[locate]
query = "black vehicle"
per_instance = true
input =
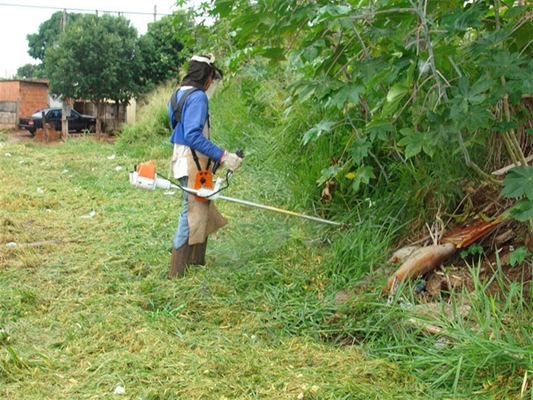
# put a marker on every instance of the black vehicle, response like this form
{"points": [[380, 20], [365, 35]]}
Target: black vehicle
{"points": [[76, 122]]}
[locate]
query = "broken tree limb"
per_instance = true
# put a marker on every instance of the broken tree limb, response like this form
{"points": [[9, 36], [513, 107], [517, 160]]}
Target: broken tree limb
{"points": [[468, 235], [504, 170], [421, 262]]}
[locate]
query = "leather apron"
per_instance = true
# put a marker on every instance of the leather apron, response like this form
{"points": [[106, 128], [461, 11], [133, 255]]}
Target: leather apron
{"points": [[203, 217]]}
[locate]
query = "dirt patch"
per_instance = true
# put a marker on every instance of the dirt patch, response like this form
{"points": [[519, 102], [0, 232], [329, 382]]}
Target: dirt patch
{"points": [[25, 136], [19, 136]]}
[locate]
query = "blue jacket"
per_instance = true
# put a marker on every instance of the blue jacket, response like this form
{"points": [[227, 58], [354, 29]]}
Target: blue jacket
{"points": [[189, 131]]}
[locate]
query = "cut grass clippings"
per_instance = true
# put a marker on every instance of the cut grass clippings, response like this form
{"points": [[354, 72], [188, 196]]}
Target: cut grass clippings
{"points": [[85, 306]]}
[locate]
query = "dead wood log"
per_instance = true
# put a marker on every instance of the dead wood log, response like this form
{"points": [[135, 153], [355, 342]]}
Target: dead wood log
{"points": [[420, 262]]}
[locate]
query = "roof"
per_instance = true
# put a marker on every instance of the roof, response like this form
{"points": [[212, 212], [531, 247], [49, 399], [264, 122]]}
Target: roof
{"points": [[43, 81]]}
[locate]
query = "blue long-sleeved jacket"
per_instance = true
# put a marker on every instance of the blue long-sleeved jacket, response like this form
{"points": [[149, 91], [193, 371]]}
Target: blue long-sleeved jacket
{"points": [[189, 131]]}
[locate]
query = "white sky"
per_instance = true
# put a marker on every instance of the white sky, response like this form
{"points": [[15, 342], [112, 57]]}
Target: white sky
{"points": [[19, 18]]}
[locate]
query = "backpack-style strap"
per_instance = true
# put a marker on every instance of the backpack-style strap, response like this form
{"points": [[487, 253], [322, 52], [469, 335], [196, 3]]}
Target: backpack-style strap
{"points": [[177, 107]]}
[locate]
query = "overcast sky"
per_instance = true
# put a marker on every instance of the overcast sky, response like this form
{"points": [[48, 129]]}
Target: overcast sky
{"points": [[19, 18]]}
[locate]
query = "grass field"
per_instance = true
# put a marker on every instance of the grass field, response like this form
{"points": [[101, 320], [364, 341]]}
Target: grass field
{"points": [[85, 306]]}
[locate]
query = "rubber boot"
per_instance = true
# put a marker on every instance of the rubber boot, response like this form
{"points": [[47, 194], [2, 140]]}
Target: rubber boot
{"points": [[179, 261], [197, 253]]}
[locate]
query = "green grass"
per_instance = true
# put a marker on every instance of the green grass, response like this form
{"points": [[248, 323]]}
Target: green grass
{"points": [[85, 305], [91, 309]]}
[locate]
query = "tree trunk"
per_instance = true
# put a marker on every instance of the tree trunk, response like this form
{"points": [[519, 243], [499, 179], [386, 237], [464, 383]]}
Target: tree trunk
{"points": [[98, 105]]}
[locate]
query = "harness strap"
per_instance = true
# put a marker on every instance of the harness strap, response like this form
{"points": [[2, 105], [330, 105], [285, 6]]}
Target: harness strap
{"points": [[177, 108], [196, 161]]}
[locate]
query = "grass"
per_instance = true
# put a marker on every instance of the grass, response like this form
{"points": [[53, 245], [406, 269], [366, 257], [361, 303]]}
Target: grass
{"points": [[85, 306]]}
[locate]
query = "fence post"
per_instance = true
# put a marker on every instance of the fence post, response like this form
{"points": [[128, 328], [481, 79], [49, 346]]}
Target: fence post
{"points": [[43, 119]]}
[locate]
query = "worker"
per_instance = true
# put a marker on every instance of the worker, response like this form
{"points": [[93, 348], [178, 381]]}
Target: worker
{"points": [[194, 154]]}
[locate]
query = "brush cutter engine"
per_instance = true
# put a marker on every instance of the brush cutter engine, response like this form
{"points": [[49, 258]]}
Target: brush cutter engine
{"points": [[145, 177]]}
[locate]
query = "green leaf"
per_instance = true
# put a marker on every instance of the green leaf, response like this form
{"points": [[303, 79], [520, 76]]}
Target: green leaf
{"points": [[477, 117], [305, 89], [487, 43], [223, 7], [349, 94], [505, 126], [362, 176], [360, 149], [276, 53], [310, 53], [523, 210], [442, 128], [518, 183], [378, 78], [379, 129], [517, 256], [481, 86], [317, 130], [394, 97], [472, 94], [334, 10], [396, 92], [459, 107], [328, 174], [516, 11], [415, 142]]}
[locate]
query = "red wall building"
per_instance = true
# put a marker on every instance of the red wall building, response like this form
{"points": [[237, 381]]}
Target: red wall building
{"points": [[20, 98]]}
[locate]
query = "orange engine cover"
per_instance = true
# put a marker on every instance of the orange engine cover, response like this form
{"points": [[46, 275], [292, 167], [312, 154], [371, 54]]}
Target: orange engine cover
{"points": [[146, 169], [204, 179]]}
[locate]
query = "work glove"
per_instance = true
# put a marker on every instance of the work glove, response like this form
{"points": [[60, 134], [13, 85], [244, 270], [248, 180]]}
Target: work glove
{"points": [[231, 160]]}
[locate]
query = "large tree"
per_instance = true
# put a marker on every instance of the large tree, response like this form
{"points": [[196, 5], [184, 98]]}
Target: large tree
{"points": [[96, 58], [47, 35], [163, 49]]}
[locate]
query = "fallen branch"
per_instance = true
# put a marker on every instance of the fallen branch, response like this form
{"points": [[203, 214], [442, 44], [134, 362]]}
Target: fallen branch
{"points": [[468, 235], [504, 170], [421, 262]]}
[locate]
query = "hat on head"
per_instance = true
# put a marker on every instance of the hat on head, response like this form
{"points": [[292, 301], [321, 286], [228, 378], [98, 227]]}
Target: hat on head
{"points": [[200, 68]]}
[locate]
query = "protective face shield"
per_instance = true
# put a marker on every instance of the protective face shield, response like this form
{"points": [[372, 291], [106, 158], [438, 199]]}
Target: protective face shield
{"points": [[212, 88]]}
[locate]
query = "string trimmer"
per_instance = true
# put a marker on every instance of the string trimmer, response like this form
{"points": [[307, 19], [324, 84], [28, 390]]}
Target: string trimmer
{"points": [[144, 176]]}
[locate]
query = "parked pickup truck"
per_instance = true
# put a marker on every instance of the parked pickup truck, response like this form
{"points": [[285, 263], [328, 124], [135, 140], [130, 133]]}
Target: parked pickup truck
{"points": [[76, 122]]}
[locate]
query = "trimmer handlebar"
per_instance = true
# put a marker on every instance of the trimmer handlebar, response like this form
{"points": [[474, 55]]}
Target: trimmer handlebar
{"points": [[239, 153]]}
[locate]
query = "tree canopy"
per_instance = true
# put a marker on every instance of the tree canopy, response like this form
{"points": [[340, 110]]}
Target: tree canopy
{"points": [[163, 50], [48, 33], [30, 71], [96, 58], [144, 61]]}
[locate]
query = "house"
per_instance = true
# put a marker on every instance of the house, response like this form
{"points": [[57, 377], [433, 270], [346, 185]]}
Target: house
{"points": [[21, 98], [111, 115]]}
